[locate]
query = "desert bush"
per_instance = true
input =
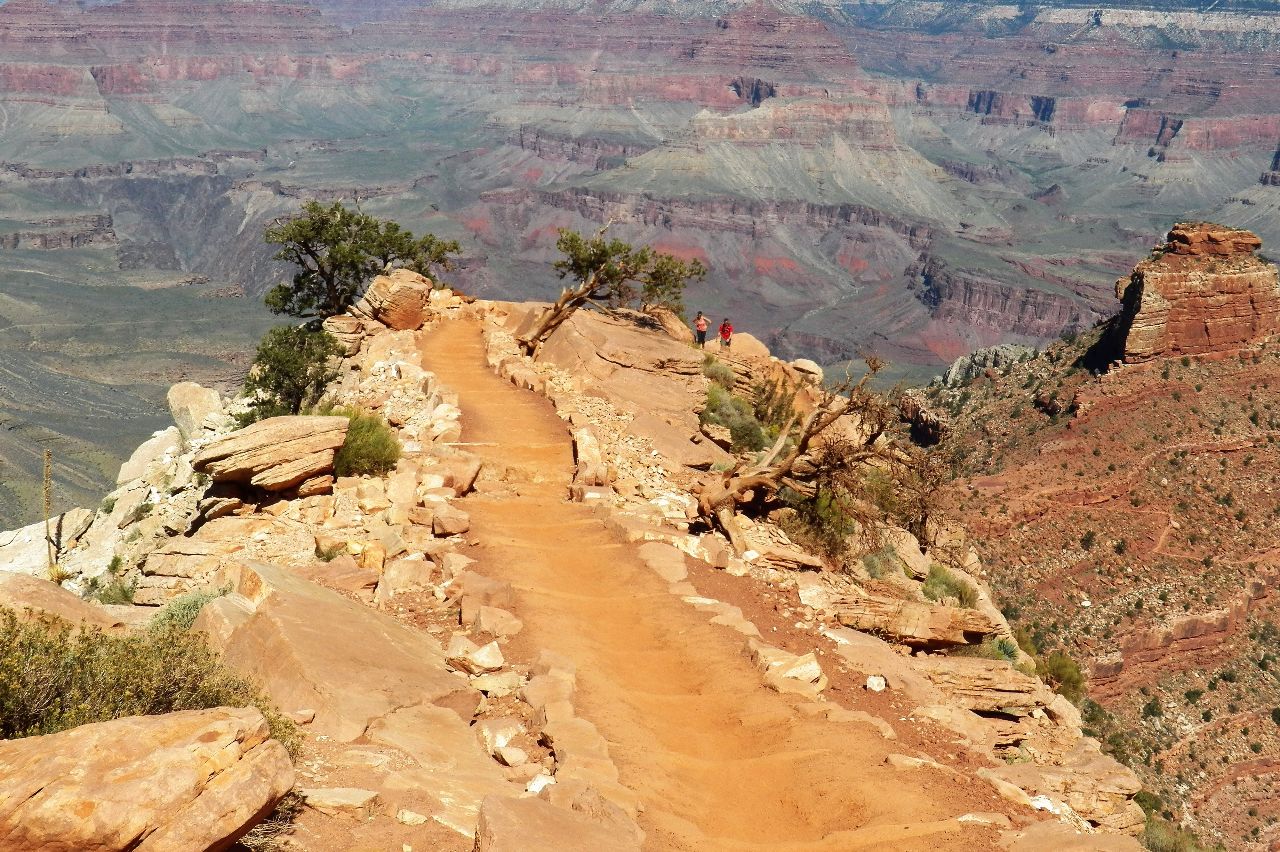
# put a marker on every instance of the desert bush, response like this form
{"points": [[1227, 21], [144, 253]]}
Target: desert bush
{"points": [[881, 562], [1063, 675], [942, 584], [54, 676], [290, 371], [734, 413], [989, 649], [718, 372], [1162, 836], [370, 447], [822, 522], [115, 592], [180, 613]]}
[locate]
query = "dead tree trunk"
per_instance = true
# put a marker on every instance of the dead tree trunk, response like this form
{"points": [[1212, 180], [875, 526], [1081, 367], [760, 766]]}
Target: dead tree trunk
{"points": [[554, 316], [719, 500]]}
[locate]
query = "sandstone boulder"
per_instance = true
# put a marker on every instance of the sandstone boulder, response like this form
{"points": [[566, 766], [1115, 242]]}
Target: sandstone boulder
{"points": [[311, 647], [162, 443], [275, 454], [674, 327], [399, 300], [989, 686], [809, 369], [913, 623], [192, 407], [748, 346], [347, 330], [1204, 291], [27, 595], [26, 549], [194, 780]]}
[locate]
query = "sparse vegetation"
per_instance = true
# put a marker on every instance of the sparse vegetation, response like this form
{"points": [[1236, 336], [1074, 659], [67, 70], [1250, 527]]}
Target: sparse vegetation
{"points": [[54, 676], [371, 447], [723, 408], [718, 372], [180, 613], [1063, 675], [1163, 836], [941, 585]]}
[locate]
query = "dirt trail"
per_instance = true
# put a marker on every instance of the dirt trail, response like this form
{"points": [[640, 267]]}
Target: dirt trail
{"points": [[719, 762]]}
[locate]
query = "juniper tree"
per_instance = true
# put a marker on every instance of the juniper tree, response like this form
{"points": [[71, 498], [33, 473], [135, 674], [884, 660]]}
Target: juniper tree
{"points": [[338, 250], [610, 273]]}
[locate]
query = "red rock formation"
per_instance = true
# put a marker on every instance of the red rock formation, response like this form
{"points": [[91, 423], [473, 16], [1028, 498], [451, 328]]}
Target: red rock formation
{"points": [[1203, 291]]}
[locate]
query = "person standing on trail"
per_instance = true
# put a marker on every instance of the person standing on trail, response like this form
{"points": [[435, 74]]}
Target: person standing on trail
{"points": [[726, 334], [700, 325]]}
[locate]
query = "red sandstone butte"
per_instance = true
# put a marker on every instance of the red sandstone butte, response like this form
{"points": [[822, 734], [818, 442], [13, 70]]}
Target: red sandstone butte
{"points": [[1203, 291]]}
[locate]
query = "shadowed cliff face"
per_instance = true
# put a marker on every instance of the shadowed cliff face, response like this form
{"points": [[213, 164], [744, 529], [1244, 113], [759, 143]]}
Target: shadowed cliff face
{"points": [[869, 181]]}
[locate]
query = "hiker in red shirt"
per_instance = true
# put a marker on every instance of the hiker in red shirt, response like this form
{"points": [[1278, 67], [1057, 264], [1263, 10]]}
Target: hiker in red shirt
{"points": [[700, 325], [726, 334]]}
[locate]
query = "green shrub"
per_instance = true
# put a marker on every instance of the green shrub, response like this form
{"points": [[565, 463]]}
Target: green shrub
{"points": [[718, 372], [180, 613], [1148, 801], [115, 592], [881, 562], [1063, 675], [989, 649], [54, 676], [1162, 836], [370, 448], [942, 584], [724, 409], [290, 371]]}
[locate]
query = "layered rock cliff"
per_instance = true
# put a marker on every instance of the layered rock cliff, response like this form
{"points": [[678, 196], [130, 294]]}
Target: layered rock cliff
{"points": [[1203, 291]]}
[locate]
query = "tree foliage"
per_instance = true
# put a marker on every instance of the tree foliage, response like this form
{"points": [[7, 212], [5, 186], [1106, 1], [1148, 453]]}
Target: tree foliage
{"points": [[291, 370], [613, 274], [337, 250]]}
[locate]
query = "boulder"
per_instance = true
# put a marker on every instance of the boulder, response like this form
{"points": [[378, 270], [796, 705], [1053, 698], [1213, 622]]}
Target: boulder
{"points": [[919, 625], [399, 300], [747, 346], [26, 549], [166, 442], [1203, 291], [347, 330], [275, 454], [192, 407], [181, 782], [533, 825], [32, 596], [987, 686], [312, 647], [809, 369], [180, 566], [341, 801], [449, 521], [1094, 786]]}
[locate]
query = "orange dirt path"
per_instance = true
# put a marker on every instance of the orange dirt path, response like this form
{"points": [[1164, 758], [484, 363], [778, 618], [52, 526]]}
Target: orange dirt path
{"points": [[717, 760]]}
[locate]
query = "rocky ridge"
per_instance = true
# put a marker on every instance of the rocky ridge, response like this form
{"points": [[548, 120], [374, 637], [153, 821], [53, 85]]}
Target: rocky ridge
{"points": [[302, 558]]}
